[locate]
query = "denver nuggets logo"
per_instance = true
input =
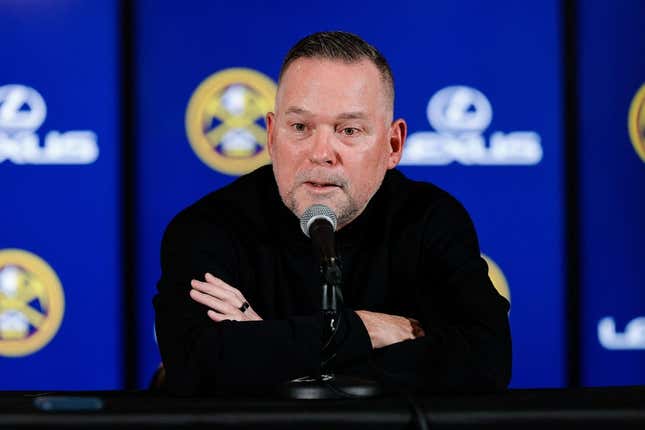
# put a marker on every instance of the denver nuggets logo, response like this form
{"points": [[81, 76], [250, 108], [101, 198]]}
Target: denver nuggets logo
{"points": [[31, 303], [636, 122], [225, 120], [498, 278]]}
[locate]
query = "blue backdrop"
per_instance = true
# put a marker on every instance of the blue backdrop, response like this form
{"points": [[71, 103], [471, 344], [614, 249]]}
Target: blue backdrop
{"points": [[60, 170], [612, 175]]}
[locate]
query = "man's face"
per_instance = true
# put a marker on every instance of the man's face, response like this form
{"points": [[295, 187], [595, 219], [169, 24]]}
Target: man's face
{"points": [[331, 138]]}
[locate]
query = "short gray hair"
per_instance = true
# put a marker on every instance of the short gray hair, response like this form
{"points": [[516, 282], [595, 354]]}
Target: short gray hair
{"points": [[341, 46]]}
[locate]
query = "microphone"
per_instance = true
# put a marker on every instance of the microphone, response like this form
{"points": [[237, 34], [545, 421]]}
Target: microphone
{"points": [[318, 222]]}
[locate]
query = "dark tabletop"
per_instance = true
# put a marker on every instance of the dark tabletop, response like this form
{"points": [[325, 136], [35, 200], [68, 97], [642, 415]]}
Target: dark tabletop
{"points": [[614, 408]]}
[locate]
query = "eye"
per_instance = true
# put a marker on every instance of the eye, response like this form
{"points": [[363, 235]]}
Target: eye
{"points": [[299, 127], [349, 131]]}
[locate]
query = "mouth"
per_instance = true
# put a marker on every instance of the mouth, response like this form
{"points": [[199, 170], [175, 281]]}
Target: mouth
{"points": [[320, 186]]}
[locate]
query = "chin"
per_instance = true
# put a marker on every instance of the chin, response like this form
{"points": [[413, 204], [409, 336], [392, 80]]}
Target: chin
{"points": [[304, 203]]}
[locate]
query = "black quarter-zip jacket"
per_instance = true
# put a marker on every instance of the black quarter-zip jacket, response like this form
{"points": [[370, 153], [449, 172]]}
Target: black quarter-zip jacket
{"points": [[413, 252]]}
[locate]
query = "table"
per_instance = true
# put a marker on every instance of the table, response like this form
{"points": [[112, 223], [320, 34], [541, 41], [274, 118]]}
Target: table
{"points": [[615, 408]]}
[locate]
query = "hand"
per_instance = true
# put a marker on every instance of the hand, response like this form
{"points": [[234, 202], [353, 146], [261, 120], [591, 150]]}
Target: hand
{"points": [[387, 329], [223, 300]]}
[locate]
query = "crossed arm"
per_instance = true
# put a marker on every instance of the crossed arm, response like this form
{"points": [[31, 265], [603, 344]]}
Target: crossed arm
{"points": [[225, 302]]}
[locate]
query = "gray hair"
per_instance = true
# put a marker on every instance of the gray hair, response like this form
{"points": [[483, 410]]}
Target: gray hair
{"points": [[341, 46]]}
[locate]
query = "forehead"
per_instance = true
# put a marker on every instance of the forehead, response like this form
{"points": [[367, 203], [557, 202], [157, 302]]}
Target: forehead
{"points": [[314, 83]]}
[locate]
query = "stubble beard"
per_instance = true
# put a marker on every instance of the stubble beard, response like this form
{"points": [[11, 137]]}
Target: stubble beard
{"points": [[341, 201], [346, 210]]}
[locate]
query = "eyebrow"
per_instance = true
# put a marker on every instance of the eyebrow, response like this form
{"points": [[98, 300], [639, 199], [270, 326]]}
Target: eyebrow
{"points": [[345, 115], [352, 115], [297, 110]]}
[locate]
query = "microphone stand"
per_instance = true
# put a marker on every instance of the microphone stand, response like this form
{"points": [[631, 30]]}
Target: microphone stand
{"points": [[328, 385]]}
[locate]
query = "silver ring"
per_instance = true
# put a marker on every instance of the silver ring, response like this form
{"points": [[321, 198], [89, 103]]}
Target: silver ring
{"points": [[244, 306]]}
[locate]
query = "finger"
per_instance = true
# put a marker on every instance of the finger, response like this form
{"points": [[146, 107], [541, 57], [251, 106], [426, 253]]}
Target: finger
{"points": [[213, 289], [251, 315], [212, 302], [418, 331], [414, 322], [217, 281], [216, 291], [217, 317]]}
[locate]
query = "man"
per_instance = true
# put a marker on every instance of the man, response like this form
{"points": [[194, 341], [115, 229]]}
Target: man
{"points": [[239, 296]]}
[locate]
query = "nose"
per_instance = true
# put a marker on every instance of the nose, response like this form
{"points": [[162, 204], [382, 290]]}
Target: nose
{"points": [[322, 149]]}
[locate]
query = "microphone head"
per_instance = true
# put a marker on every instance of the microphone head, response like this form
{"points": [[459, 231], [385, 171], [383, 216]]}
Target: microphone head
{"points": [[312, 213]]}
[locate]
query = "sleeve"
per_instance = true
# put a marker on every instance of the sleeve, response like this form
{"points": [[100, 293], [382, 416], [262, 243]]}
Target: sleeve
{"points": [[467, 346], [201, 356]]}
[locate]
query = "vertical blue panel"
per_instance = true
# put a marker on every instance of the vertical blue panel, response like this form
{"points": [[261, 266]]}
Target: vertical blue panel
{"points": [[612, 175], [505, 50], [510, 53], [59, 91]]}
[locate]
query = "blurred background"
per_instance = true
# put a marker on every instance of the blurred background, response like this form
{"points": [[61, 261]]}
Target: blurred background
{"points": [[115, 115]]}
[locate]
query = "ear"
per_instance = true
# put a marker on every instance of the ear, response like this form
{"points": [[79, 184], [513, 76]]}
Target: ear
{"points": [[270, 121], [398, 132]]}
